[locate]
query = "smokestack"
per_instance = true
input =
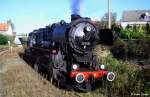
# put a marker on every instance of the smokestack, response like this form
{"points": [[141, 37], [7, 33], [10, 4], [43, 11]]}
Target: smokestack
{"points": [[76, 8], [74, 17]]}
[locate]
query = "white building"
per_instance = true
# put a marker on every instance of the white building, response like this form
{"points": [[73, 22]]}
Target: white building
{"points": [[135, 17], [6, 29]]}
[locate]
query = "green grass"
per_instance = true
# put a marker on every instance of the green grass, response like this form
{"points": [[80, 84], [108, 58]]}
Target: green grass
{"points": [[3, 46]]}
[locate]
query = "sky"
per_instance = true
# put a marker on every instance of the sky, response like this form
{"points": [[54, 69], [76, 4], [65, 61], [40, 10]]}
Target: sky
{"points": [[28, 15]]}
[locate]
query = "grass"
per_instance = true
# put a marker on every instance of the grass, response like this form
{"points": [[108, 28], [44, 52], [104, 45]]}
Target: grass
{"points": [[21, 81], [3, 46]]}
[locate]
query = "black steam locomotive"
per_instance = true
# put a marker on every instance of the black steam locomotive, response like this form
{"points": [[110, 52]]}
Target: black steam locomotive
{"points": [[64, 52]]}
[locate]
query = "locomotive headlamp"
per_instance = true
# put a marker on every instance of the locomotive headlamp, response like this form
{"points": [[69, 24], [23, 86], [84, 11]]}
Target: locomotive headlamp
{"points": [[88, 28], [111, 76], [74, 66], [102, 66]]}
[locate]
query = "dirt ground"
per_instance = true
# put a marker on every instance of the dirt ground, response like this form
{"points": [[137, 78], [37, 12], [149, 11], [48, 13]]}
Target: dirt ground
{"points": [[20, 80]]}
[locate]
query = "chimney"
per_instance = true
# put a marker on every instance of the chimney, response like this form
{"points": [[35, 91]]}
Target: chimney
{"points": [[75, 17]]}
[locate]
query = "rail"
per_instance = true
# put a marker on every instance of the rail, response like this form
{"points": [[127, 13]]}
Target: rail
{"points": [[3, 50]]}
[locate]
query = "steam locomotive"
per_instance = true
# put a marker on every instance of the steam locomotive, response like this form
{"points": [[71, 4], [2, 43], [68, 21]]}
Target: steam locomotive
{"points": [[64, 52]]}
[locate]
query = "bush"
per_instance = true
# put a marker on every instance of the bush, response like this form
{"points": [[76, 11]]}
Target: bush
{"points": [[10, 38], [144, 48], [134, 32], [112, 62], [147, 29], [139, 49], [119, 49], [128, 80], [132, 49], [3, 39]]}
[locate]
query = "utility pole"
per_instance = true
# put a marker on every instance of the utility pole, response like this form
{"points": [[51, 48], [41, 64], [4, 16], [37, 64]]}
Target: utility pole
{"points": [[109, 15]]}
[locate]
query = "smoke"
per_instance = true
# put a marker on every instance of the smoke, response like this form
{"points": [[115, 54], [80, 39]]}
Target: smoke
{"points": [[76, 6]]}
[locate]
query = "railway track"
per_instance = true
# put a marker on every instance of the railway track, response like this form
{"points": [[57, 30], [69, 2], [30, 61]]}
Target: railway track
{"points": [[3, 50], [1, 85]]}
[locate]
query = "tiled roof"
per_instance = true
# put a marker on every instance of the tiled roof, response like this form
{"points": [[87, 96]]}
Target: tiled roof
{"points": [[4, 27], [135, 15]]}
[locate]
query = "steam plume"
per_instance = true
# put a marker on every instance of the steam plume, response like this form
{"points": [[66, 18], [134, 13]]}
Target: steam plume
{"points": [[76, 6]]}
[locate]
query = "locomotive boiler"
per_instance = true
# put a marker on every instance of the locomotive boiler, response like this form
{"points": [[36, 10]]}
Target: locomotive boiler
{"points": [[64, 52]]}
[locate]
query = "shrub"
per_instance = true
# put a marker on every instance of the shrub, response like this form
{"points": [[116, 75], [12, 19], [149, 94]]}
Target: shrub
{"points": [[10, 38], [138, 32], [148, 29], [139, 49], [112, 62], [134, 32], [128, 80], [132, 49], [143, 48], [3, 39], [119, 48]]}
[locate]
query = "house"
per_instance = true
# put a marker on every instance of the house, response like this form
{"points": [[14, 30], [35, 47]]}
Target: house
{"points": [[135, 17], [6, 29]]}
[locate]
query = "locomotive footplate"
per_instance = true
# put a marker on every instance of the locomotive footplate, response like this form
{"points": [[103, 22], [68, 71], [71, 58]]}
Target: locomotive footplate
{"points": [[87, 74], [81, 76]]}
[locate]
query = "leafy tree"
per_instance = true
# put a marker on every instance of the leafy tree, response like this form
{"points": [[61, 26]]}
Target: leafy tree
{"points": [[117, 30], [147, 28], [3, 39], [104, 19]]}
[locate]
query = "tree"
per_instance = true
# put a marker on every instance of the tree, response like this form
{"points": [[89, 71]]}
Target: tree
{"points": [[117, 30], [3, 39], [147, 28], [104, 19]]}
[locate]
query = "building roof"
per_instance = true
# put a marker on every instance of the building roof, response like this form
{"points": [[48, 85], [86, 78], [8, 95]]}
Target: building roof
{"points": [[4, 27], [134, 15]]}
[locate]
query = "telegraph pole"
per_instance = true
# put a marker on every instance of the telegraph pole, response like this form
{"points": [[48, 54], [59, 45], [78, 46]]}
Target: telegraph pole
{"points": [[109, 15]]}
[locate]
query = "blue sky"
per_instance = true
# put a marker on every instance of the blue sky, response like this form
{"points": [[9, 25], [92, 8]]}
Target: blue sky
{"points": [[28, 15]]}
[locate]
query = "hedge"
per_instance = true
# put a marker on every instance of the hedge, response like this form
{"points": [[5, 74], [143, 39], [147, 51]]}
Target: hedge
{"points": [[3, 39]]}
